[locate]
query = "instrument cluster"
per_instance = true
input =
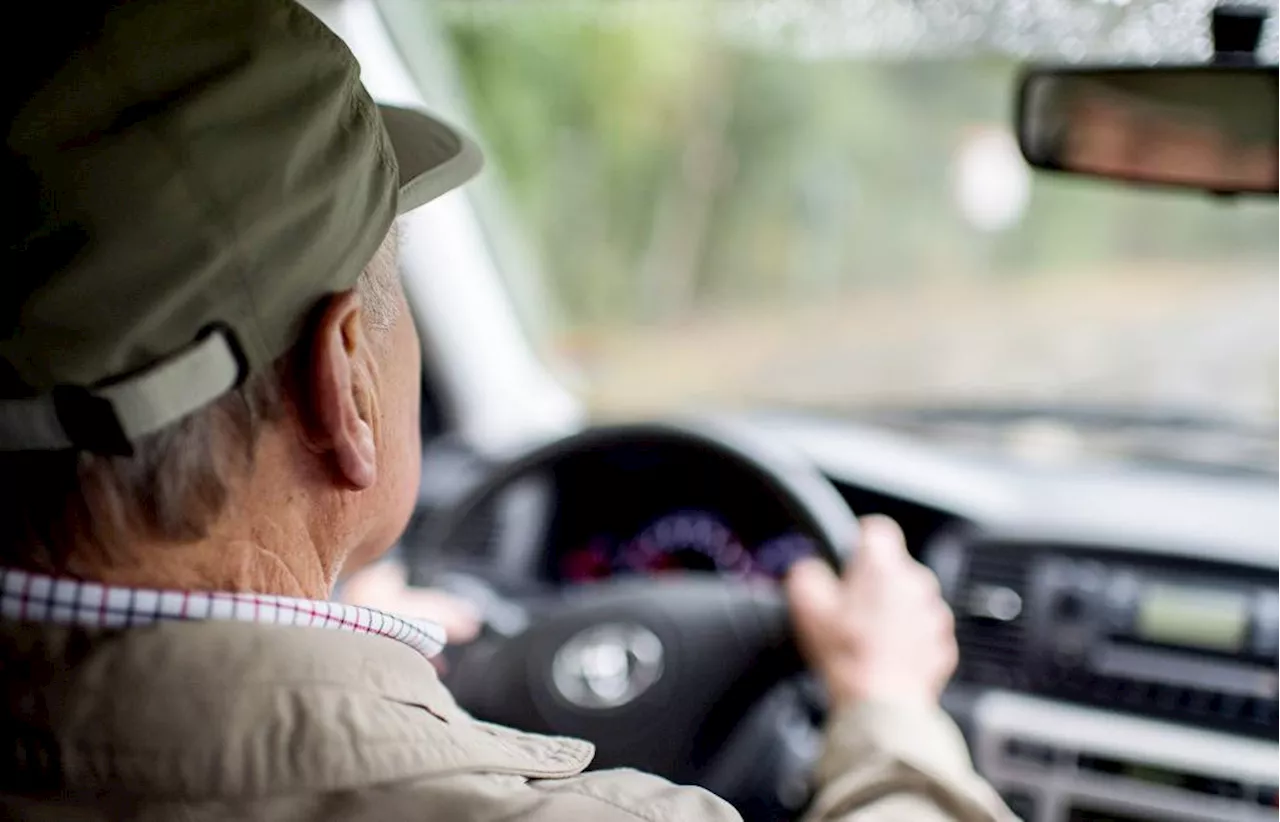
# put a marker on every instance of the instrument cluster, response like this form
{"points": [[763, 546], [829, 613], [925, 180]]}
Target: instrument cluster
{"points": [[681, 541]]}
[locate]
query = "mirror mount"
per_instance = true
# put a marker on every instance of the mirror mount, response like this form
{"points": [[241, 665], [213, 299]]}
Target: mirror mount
{"points": [[1237, 31]]}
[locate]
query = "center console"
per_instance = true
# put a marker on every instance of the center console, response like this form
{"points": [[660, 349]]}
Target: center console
{"points": [[1057, 762], [1116, 687]]}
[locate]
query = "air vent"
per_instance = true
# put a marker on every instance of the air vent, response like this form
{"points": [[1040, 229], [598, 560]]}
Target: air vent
{"points": [[989, 603]]}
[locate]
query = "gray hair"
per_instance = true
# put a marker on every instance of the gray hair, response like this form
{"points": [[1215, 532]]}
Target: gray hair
{"points": [[177, 482]]}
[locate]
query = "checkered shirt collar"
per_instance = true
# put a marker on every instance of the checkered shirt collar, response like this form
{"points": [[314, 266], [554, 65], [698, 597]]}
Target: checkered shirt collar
{"points": [[36, 598]]}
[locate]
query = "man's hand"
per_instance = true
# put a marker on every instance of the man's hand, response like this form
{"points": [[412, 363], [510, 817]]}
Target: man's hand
{"points": [[882, 631]]}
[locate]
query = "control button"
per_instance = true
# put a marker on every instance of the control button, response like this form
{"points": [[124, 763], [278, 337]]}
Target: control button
{"points": [[1068, 606], [1137, 694], [1091, 577], [1122, 596], [1262, 711], [1266, 631], [1228, 788], [1264, 643], [1166, 697], [1196, 702], [1230, 706], [1069, 654]]}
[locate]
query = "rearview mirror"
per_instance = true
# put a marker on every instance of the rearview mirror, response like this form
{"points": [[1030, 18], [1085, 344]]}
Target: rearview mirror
{"points": [[1203, 126]]}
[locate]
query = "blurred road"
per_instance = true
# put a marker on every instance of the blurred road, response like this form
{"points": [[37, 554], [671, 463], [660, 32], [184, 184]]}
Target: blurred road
{"points": [[1173, 339]]}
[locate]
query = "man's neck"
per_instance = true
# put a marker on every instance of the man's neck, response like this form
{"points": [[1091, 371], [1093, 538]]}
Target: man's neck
{"points": [[239, 565], [285, 530], [265, 542]]}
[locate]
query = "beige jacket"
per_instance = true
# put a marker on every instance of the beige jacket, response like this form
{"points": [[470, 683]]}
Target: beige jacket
{"points": [[195, 722]]}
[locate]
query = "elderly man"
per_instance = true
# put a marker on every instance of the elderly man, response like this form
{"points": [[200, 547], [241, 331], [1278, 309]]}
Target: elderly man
{"points": [[210, 406]]}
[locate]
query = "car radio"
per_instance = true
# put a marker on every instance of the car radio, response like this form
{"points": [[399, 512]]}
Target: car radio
{"points": [[1058, 762], [1169, 642]]}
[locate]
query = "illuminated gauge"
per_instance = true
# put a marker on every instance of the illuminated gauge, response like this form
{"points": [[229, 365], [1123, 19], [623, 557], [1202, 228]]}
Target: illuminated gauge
{"points": [[687, 541], [774, 558], [586, 564]]}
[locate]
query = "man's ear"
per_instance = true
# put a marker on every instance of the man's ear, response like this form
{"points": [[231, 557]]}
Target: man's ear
{"points": [[340, 392]]}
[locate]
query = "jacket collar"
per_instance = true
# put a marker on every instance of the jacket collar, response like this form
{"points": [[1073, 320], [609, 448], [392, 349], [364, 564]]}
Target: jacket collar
{"points": [[37, 598]]}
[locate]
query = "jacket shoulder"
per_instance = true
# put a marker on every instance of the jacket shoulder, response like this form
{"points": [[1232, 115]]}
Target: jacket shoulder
{"points": [[600, 796]]}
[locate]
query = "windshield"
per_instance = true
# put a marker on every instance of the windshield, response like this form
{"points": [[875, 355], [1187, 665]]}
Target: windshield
{"points": [[826, 208]]}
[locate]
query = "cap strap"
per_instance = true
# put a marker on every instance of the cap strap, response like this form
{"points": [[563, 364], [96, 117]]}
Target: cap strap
{"points": [[110, 418]]}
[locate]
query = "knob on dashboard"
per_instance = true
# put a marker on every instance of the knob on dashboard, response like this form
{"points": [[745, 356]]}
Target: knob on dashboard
{"points": [[1068, 606]]}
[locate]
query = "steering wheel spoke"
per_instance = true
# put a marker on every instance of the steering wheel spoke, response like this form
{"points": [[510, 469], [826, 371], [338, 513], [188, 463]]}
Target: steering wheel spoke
{"points": [[637, 666]]}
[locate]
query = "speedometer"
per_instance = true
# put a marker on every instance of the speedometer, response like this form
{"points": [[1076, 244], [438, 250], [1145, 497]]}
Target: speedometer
{"points": [[686, 541], [775, 557]]}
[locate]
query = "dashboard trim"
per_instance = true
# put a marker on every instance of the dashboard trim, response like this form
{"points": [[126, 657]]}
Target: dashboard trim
{"points": [[1095, 503]]}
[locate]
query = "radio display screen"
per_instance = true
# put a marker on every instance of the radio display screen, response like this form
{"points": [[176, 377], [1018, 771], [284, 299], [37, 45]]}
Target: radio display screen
{"points": [[1193, 617]]}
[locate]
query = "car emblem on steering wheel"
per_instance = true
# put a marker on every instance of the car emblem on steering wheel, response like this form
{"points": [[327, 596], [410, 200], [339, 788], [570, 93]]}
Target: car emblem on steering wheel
{"points": [[607, 666]]}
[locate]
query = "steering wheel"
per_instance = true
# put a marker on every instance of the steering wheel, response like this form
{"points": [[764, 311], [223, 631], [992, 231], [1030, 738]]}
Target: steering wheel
{"points": [[690, 677]]}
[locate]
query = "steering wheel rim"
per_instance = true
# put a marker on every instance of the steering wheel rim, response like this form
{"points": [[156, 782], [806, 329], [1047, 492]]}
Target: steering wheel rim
{"points": [[725, 646], [803, 492]]}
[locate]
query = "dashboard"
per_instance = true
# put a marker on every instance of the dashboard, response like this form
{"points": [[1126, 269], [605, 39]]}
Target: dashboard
{"points": [[1117, 623]]}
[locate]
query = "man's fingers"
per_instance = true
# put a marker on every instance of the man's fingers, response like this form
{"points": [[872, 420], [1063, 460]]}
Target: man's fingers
{"points": [[882, 546], [929, 580], [950, 658], [813, 591]]}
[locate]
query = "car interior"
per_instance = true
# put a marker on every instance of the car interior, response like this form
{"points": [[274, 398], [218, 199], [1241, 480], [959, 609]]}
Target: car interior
{"points": [[1117, 616]]}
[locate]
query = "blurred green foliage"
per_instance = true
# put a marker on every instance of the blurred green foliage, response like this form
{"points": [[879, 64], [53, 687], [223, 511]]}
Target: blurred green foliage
{"points": [[661, 171]]}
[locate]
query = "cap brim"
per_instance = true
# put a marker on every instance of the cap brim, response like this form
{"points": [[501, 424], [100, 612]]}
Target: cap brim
{"points": [[433, 156]]}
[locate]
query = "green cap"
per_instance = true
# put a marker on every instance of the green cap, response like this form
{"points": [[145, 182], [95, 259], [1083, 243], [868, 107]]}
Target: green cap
{"points": [[185, 181]]}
